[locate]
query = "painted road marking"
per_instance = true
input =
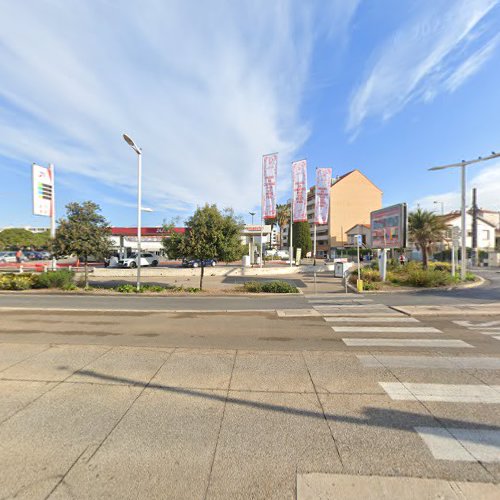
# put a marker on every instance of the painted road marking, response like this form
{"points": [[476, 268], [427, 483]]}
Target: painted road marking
{"points": [[406, 342], [468, 445], [477, 324], [356, 314], [367, 319], [386, 329], [449, 393], [339, 302], [445, 362], [359, 307]]}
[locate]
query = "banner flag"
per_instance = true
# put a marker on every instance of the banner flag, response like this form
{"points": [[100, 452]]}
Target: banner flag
{"points": [[322, 195], [43, 186], [299, 179], [269, 174]]}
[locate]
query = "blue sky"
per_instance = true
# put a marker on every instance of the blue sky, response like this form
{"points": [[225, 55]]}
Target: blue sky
{"points": [[391, 87]]}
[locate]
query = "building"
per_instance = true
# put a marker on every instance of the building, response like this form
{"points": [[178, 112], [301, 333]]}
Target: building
{"points": [[352, 198], [486, 230], [124, 239], [364, 230]]}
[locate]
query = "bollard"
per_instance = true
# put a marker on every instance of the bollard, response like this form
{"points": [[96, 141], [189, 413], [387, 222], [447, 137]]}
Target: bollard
{"points": [[21, 269], [359, 285]]}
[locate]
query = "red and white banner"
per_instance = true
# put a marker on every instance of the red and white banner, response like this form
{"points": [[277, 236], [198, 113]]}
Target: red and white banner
{"points": [[269, 175], [322, 195], [299, 181]]}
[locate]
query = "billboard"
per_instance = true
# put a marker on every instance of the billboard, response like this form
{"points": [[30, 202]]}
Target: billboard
{"points": [[322, 195], [389, 227], [43, 186], [269, 174], [299, 180]]}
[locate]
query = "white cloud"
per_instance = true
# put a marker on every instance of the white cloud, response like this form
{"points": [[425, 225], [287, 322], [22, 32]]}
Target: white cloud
{"points": [[205, 88], [487, 182], [418, 61]]}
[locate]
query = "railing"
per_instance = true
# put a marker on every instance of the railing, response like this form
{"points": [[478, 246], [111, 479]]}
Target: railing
{"points": [[42, 268]]}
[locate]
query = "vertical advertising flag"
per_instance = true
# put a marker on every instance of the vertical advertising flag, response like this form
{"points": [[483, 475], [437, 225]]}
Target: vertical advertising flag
{"points": [[299, 178], [322, 195], [43, 187], [269, 174]]}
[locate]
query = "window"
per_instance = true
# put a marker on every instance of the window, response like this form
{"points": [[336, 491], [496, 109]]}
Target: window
{"points": [[486, 234]]}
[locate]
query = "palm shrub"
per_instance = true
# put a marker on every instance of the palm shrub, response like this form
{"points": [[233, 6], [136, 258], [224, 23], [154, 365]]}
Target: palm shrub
{"points": [[425, 228]]}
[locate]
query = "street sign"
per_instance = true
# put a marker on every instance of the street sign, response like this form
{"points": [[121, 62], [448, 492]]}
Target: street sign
{"points": [[359, 240]]}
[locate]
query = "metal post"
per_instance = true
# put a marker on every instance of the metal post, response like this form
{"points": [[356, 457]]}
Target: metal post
{"points": [[463, 263], [290, 233], [53, 212], [475, 252], [359, 263], [139, 211], [261, 211], [452, 259], [314, 245]]}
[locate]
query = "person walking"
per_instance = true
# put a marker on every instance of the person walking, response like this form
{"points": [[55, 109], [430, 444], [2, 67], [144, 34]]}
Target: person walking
{"points": [[402, 259]]}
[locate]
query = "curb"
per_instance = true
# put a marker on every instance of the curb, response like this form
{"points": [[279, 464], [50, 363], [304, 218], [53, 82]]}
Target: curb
{"points": [[480, 282]]}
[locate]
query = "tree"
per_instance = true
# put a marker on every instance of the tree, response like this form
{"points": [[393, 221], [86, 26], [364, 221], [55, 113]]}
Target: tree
{"points": [[16, 238], [424, 229], [210, 234], [84, 232], [302, 237], [282, 219]]}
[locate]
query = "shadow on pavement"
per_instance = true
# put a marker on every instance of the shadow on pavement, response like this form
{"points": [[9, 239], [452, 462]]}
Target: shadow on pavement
{"points": [[373, 417]]}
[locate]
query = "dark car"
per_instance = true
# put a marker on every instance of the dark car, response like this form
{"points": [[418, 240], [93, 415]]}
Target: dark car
{"points": [[197, 262]]}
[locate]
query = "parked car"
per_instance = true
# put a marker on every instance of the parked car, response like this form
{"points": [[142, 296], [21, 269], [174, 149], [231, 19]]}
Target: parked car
{"points": [[197, 263], [33, 255], [10, 257], [147, 259]]}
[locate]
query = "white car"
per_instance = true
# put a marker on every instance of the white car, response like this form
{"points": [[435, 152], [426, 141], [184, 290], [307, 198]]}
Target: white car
{"points": [[147, 259], [10, 257]]}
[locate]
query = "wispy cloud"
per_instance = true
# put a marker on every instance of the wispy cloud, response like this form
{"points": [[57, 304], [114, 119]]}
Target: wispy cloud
{"points": [[487, 182], [205, 88], [424, 58]]}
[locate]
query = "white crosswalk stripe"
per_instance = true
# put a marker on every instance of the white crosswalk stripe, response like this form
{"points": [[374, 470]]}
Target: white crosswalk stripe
{"points": [[371, 319], [468, 445], [442, 362], [485, 327], [450, 393], [358, 342], [385, 329]]}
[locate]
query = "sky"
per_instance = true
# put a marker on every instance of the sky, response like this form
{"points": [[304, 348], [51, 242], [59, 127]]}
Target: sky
{"points": [[390, 87]]}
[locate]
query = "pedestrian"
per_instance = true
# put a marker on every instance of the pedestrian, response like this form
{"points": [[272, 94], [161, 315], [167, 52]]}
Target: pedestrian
{"points": [[402, 259], [19, 256]]}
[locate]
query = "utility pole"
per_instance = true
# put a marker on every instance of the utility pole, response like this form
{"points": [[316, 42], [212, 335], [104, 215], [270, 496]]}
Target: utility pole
{"points": [[475, 253], [463, 164]]}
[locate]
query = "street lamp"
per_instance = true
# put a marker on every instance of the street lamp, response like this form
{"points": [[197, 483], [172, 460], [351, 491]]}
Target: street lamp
{"points": [[140, 208], [251, 251], [442, 206], [462, 165]]}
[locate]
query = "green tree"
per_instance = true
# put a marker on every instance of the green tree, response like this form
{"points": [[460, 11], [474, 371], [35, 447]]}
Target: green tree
{"points": [[41, 240], [84, 232], [16, 238], [424, 229], [302, 237], [210, 234], [282, 218]]}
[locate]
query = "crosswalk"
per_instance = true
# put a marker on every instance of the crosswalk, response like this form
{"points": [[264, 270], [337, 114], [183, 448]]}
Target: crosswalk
{"points": [[485, 327], [362, 323]]}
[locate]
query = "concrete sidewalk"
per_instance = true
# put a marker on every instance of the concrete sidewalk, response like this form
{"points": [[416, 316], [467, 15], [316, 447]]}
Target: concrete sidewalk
{"points": [[97, 421]]}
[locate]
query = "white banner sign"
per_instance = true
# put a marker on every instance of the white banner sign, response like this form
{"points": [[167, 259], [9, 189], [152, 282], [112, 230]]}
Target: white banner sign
{"points": [[299, 180], [322, 195], [269, 174], [43, 186]]}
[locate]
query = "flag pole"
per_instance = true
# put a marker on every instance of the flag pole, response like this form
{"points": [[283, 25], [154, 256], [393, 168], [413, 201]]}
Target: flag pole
{"points": [[261, 211]]}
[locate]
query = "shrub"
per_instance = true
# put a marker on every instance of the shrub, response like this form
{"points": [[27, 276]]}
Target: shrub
{"points": [[127, 288], [53, 279], [270, 287], [16, 282]]}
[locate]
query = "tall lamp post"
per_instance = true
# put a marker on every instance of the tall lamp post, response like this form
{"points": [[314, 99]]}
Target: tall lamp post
{"points": [[462, 165], [252, 244], [442, 205], [138, 150]]}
